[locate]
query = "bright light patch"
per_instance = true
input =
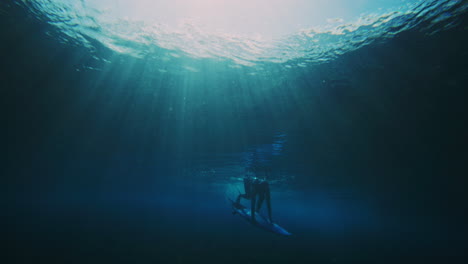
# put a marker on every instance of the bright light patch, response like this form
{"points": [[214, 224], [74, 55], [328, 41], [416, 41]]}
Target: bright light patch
{"points": [[246, 32], [266, 18]]}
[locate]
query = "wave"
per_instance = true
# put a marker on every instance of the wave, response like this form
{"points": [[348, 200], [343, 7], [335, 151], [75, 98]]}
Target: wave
{"points": [[81, 24]]}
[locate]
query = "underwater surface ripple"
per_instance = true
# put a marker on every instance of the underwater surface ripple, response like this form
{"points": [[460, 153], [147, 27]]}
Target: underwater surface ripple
{"points": [[123, 140], [80, 23]]}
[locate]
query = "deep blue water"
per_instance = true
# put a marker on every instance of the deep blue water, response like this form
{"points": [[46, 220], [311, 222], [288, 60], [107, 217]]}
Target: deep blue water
{"points": [[125, 157]]}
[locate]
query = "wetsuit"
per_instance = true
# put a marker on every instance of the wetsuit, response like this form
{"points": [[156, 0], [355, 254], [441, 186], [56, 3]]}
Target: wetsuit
{"points": [[254, 188]]}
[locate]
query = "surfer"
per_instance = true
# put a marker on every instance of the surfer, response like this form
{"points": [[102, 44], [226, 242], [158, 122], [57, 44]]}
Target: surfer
{"points": [[256, 189]]}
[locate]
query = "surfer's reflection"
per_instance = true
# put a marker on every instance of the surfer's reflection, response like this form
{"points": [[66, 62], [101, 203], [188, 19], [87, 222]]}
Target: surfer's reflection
{"points": [[256, 190]]}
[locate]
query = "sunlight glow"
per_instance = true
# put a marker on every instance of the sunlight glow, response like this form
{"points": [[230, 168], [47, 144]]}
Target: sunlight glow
{"points": [[246, 32], [268, 18]]}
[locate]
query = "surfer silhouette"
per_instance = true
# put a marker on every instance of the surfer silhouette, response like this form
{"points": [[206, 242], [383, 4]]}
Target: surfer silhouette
{"points": [[256, 190]]}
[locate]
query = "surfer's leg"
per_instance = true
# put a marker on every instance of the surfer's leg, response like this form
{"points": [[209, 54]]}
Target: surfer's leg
{"points": [[252, 206], [268, 202], [238, 198], [245, 196], [261, 197]]}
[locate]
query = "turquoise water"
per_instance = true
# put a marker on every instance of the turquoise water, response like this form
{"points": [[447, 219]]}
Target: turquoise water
{"points": [[126, 125], [315, 31]]}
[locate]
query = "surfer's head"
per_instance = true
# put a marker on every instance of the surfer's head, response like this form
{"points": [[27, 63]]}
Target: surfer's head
{"points": [[256, 180]]}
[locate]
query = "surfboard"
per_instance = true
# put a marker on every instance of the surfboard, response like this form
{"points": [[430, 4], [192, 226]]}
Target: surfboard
{"points": [[260, 221]]}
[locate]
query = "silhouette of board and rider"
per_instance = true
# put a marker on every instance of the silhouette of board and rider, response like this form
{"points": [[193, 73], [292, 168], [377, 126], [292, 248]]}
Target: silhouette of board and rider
{"points": [[256, 190]]}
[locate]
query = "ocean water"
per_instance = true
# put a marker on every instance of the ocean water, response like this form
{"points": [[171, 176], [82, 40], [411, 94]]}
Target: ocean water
{"points": [[124, 137]]}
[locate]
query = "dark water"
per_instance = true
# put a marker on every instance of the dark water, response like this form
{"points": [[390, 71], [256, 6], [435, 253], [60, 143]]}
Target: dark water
{"points": [[117, 161]]}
